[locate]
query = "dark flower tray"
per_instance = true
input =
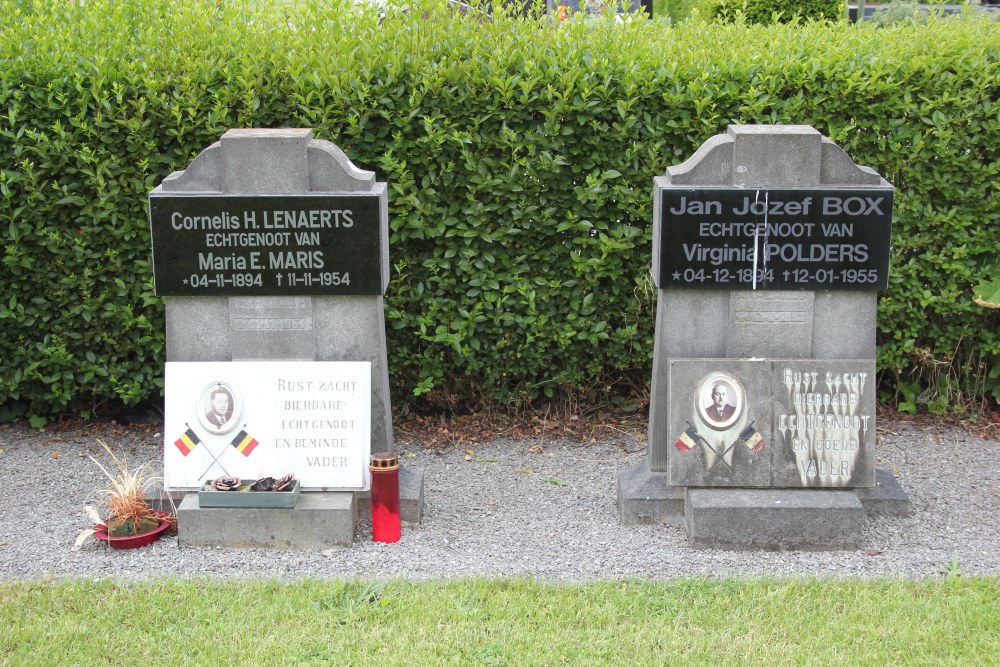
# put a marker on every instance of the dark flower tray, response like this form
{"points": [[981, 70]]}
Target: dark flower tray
{"points": [[243, 497]]}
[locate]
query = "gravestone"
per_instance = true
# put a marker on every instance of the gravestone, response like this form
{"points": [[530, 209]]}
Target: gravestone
{"points": [[769, 247], [271, 250], [567, 8]]}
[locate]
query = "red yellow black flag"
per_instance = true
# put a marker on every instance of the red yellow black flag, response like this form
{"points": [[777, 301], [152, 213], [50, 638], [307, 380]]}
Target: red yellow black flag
{"points": [[244, 443], [188, 441]]}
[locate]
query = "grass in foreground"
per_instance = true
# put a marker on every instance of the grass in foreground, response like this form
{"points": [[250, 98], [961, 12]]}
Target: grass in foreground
{"points": [[501, 622]]}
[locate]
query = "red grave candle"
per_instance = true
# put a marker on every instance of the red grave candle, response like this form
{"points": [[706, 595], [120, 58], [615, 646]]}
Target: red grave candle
{"points": [[385, 497]]}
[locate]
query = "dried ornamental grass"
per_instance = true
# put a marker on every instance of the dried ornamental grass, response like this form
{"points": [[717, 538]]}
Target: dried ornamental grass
{"points": [[125, 500]]}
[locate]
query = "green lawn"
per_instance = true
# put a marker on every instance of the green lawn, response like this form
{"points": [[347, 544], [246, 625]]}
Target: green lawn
{"points": [[502, 622]]}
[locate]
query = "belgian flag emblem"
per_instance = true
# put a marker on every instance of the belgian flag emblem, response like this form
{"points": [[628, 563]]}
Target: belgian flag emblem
{"points": [[244, 443], [752, 438], [188, 441], [689, 438]]}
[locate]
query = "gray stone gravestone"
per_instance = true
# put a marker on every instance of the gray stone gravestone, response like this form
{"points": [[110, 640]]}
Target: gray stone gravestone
{"points": [[251, 253], [595, 7], [769, 247]]}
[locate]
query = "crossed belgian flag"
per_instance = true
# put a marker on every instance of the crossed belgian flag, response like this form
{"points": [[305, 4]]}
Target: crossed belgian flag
{"points": [[243, 442]]}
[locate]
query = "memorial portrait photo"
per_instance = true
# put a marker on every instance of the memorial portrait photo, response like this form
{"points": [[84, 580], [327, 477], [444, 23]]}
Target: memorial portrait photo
{"points": [[219, 407], [719, 400]]}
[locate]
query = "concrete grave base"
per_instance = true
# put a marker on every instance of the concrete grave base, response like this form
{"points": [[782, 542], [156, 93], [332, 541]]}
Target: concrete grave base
{"points": [[165, 501], [774, 519], [887, 498], [646, 497], [411, 497], [319, 521]]}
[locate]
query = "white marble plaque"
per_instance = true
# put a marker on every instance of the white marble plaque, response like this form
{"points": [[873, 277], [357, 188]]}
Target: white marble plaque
{"points": [[260, 419]]}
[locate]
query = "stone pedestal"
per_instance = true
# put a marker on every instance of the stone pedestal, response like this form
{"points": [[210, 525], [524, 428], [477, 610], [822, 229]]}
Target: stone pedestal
{"points": [[646, 497], [318, 521], [773, 519], [886, 498]]}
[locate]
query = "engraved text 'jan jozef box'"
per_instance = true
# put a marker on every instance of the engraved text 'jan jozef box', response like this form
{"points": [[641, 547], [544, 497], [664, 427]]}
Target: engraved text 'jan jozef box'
{"points": [[789, 239]]}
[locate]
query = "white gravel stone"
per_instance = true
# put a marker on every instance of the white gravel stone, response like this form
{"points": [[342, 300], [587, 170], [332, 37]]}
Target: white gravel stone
{"points": [[552, 516]]}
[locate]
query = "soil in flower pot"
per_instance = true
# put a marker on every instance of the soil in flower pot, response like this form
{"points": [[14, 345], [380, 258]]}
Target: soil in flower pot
{"points": [[129, 527]]}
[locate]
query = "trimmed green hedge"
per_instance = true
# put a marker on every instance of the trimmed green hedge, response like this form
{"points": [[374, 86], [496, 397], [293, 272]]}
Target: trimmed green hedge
{"points": [[519, 157], [782, 11]]}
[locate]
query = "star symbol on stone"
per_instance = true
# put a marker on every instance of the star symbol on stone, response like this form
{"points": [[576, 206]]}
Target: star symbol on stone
{"points": [[677, 275]]}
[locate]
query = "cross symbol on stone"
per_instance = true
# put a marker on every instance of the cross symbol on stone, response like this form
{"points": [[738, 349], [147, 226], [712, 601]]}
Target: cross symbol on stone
{"points": [[719, 456]]}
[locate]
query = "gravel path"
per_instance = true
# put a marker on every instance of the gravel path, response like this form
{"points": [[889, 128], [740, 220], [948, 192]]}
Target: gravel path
{"points": [[550, 514]]}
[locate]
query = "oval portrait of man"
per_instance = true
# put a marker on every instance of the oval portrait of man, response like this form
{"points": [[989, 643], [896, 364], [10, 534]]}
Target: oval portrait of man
{"points": [[219, 407], [720, 400]]}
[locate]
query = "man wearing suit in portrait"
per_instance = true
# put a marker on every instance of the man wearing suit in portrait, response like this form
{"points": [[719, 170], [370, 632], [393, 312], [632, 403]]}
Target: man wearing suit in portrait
{"points": [[220, 408], [720, 410]]}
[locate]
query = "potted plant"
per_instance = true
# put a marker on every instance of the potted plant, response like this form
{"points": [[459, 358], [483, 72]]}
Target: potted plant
{"points": [[130, 522]]}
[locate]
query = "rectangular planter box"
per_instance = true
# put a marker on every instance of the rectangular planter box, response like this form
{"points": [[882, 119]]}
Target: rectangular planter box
{"points": [[209, 496]]}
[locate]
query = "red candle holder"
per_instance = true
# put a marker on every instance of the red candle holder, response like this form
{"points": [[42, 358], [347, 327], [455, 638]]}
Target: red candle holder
{"points": [[385, 497]]}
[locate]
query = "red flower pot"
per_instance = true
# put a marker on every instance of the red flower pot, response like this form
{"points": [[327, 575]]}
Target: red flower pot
{"points": [[132, 541]]}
